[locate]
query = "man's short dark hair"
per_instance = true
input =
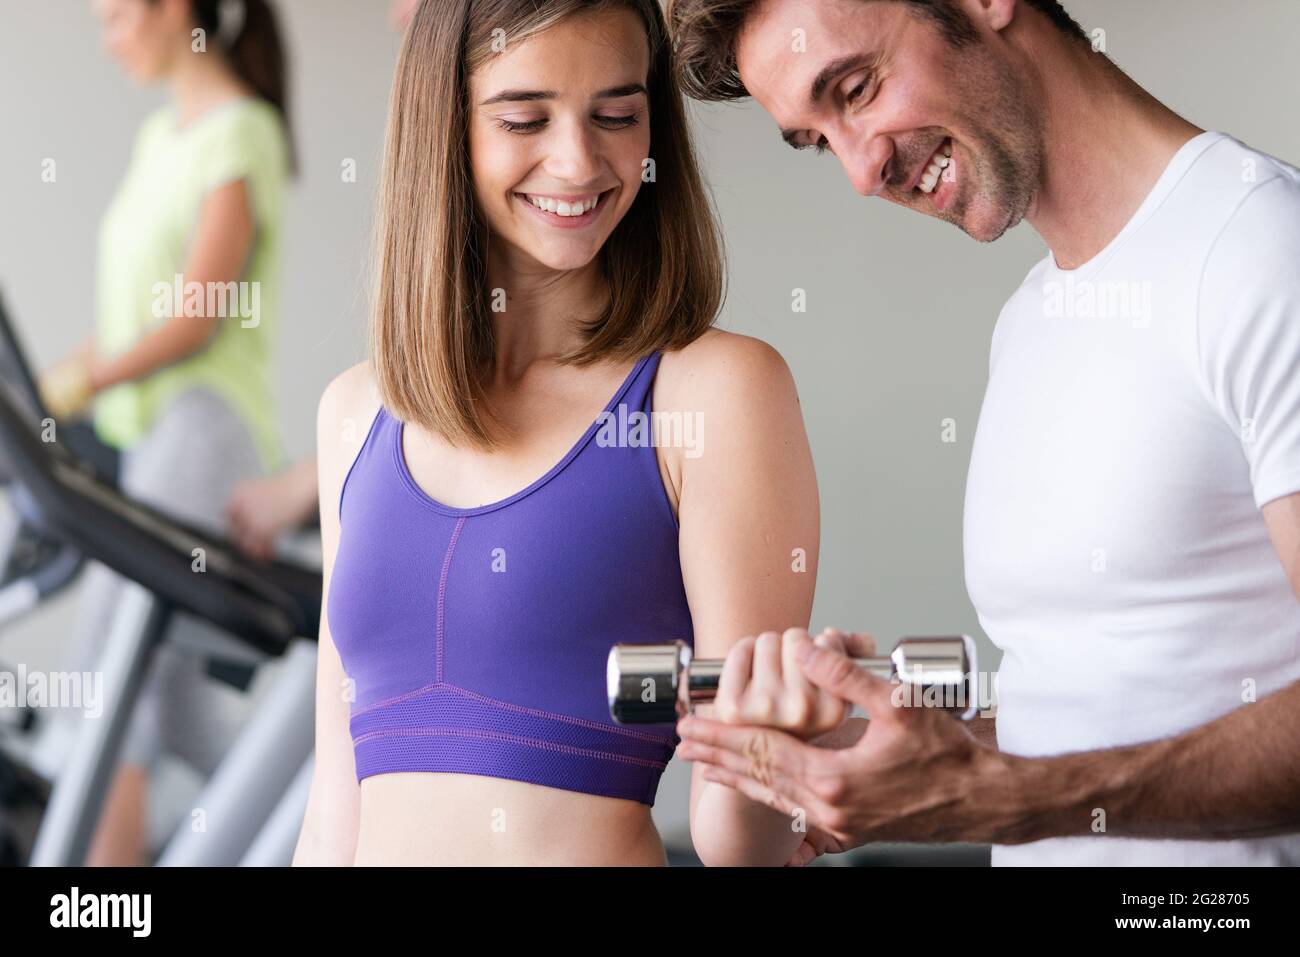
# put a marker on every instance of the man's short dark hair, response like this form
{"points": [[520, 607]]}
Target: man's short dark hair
{"points": [[705, 33]]}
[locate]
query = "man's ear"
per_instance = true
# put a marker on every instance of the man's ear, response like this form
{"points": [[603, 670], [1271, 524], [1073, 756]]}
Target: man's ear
{"points": [[997, 15]]}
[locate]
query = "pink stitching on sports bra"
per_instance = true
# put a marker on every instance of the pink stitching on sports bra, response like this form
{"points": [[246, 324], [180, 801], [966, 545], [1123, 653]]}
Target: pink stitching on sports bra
{"points": [[537, 712], [442, 592], [498, 736]]}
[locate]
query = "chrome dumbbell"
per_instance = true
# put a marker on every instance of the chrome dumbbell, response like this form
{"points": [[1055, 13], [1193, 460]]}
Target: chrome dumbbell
{"points": [[657, 684]]}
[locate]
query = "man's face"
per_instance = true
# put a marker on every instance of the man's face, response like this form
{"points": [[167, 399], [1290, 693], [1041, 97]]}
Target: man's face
{"points": [[955, 132]]}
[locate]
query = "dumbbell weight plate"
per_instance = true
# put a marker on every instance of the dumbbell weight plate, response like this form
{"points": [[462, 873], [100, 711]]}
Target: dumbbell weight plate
{"points": [[644, 682]]}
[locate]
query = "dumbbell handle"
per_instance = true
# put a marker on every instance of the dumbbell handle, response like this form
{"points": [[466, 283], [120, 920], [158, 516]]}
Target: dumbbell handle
{"points": [[654, 684], [703, 675]]}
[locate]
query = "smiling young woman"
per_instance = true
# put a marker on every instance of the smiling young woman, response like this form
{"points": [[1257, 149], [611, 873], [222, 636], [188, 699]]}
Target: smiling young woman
{"points": [[432, 331], [544, 243]]}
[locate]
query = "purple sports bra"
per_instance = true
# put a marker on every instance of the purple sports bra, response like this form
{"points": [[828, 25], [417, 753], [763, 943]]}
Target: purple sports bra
{"points": [[477, 637]]}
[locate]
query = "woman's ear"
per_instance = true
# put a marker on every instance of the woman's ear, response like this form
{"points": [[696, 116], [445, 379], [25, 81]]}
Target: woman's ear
{"points": [[178, 15]]}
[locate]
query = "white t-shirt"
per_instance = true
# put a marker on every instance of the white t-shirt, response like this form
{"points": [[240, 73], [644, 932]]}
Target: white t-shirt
{"points": [[1141, 409]]}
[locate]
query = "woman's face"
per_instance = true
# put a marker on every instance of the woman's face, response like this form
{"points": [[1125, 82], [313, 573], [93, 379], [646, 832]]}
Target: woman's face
{"points": [[143, 37], [558, 132]]}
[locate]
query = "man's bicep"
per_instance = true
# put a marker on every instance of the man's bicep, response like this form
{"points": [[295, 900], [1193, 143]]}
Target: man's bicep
{"points": [[1282, 516], [1248, 327]]}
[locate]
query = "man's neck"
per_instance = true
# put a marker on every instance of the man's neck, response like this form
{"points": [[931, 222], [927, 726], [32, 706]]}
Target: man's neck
{"points": [[1107, 142]]}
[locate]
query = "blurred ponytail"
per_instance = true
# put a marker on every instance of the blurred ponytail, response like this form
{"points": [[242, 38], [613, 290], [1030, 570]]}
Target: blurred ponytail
{"points": [[249, 35]]}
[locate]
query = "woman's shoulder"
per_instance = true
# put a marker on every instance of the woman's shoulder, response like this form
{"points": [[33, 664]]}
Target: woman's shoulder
{"points": [[742, 398], [157, 118], [246, 115], [346, 414], [719, 367], [248, 123], [347, 408]]}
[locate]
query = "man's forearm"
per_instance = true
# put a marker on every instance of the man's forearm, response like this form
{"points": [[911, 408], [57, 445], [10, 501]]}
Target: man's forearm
{"points": [[985, 731], [1236, 777]]}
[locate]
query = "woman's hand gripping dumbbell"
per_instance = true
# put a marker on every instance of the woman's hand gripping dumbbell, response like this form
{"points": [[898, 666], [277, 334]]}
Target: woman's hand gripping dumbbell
{"points": [[660, 683]]}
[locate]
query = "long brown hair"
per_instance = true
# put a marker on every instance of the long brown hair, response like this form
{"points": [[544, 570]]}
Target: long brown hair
{"points": [[430, 333]]}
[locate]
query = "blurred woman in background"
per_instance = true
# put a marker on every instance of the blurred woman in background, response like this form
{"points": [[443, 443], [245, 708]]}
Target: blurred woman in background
{"points": [[262, 510], [178, 369], [530, 266]]}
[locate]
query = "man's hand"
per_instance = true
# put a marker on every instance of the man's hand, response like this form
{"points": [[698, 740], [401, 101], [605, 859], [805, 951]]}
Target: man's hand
{"points": [[915, 775], [817, 843], [845, 736]]}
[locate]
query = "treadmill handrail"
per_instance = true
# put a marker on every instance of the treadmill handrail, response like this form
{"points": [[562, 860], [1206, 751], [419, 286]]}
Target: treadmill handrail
{"points": [[155, 551]]}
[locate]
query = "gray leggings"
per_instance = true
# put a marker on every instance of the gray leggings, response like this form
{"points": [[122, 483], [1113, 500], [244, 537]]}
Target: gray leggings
{"points": [[187, 466]]}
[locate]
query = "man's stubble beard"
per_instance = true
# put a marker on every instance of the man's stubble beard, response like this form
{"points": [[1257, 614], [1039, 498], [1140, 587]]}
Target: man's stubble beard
{"points": [[1008, 130]]}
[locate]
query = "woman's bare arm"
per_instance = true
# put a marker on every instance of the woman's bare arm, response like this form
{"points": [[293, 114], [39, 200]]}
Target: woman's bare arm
{"points": [[219, 252], [749, 541]]}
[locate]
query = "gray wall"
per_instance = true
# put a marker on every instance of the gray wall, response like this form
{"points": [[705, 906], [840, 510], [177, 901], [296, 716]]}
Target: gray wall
{"points": [[900, 308]]}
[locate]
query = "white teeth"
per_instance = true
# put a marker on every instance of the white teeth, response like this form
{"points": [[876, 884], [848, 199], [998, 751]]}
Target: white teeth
{"points": [[934, 172], [931, 177], [561, 207]]}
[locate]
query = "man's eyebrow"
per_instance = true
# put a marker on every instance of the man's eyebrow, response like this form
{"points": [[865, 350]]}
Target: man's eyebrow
{"points": [[531, 96], [834, 69], [829, 73]]}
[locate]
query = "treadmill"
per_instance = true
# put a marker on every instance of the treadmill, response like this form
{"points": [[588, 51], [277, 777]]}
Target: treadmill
{"points": [[33, 566], [252, 805]]}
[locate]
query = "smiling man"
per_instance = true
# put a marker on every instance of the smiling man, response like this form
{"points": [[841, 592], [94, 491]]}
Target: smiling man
{"points": [[1132, 527]]}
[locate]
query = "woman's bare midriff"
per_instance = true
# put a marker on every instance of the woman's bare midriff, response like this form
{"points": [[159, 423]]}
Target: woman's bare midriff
{"points": [[419, 819]]}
